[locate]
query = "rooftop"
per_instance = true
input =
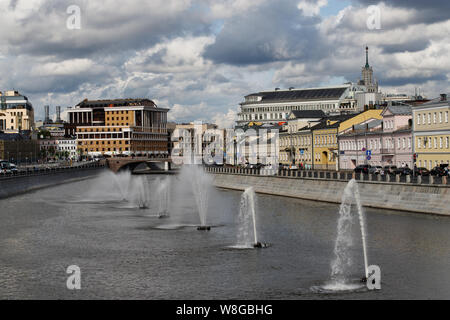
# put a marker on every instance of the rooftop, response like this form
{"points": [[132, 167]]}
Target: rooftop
{"points": [[330, 93], [307, 114], [115, 103]]}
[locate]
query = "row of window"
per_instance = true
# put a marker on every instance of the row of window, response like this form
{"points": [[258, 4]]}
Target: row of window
{"points": [[102, 142], [429, 118], [117, 118], [376, 144], [107, 149], [429, 164], [429, 143], [319, 140]]}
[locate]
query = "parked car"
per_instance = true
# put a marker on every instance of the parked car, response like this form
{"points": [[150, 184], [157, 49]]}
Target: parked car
{"points": [[404, 171], [13, 168], [422, 171], [390, 170], [364, 168]]}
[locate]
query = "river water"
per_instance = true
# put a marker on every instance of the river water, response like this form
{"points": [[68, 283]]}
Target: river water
{"points": [[125, 252]]}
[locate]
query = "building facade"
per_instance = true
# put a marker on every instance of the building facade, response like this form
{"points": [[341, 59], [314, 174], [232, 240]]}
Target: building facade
{"points": [[189, 141], [385, 142], [432, 132], [121, 126], [271, 107], [17, 148], [16, 113], [315, 146], [293, 144], [67, 148]]}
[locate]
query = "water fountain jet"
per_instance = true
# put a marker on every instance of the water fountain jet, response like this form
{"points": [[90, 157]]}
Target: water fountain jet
{"points": [[344, 239], [247, 233]]}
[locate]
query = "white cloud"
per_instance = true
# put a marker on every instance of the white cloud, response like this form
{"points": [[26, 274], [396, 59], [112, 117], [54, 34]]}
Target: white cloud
{"points": [[227, 120], [63, 68], [311, 8]]}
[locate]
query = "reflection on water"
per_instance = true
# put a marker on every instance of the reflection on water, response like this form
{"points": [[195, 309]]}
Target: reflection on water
{"points": [[126, 252]]}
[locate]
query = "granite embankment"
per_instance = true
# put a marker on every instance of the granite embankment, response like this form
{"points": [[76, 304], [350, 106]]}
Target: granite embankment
{"points": [[431, 199], [15, 185]]}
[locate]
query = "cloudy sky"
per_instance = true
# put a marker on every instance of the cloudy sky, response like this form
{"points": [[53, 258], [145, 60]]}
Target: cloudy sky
{"points": [[200, 57]]}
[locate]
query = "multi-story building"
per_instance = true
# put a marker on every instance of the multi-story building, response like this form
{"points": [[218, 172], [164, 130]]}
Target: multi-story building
{"points": [[316, 145], [275, 106], [18, 148], [16, 113], [189, 141], [272, 107], [121, 126], [292, 143], [67, 148], [431, 131], [255, 144], [379, 142]]}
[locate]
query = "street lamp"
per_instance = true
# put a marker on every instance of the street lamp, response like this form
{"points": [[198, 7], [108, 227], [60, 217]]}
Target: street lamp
{"points": [[235, 151]]}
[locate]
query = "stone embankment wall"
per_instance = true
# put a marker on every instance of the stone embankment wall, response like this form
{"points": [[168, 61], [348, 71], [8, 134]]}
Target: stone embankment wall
{"points": [[431, 199], [15, 185]]}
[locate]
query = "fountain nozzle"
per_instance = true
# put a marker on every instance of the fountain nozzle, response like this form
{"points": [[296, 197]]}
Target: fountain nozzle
{"points": [[260, 245], [204, 228]]}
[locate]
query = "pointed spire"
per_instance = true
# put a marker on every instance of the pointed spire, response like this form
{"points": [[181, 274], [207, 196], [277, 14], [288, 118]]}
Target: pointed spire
{"points": [[367, 57]]}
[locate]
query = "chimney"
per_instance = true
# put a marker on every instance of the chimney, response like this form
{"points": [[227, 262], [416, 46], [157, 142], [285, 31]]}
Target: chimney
{"points": [[443, 97], [58, 114], [47, 112]]}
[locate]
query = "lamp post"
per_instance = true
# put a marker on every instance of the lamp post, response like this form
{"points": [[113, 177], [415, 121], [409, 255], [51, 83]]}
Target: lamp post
{"points": [[235, 151]]}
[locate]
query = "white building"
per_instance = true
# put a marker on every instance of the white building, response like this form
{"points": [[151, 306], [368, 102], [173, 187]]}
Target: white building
{"points": [[271, 107], [67, 145], [274, 106]]}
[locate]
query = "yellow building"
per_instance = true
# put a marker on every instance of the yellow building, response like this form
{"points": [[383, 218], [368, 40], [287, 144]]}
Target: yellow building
{"points": [[431, 132], [122, 126], [16, 113], [325, 148], [295, 139]]}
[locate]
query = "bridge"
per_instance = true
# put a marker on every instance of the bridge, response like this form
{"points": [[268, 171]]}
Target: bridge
{"points": [[117, 164]]}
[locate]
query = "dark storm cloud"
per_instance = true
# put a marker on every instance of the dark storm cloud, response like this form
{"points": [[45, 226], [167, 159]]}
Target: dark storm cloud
{"points": [[414, 46], [13, 4], [400, 81], [276, 31], [104, 29]]}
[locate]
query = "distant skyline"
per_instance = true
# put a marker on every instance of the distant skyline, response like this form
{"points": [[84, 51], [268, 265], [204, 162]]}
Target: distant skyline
{"points": [[200, 57]]}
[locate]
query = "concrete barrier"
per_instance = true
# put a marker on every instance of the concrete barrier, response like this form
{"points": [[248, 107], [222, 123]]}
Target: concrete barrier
{"points": [[24, 184], [432, 199]]}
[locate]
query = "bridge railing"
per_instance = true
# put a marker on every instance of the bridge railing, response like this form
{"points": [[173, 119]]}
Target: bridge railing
{"points": [[333, 175]]}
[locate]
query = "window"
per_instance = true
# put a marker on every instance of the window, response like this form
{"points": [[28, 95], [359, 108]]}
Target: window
{"points": [[423, 119], [429, 118], [440, 142], [435, 143], [434, 117], [446, 116], [440, 117], [419, 143], [446, 142], [418, 119]]}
